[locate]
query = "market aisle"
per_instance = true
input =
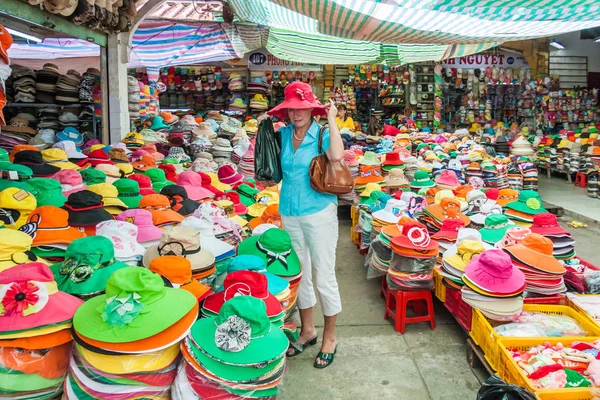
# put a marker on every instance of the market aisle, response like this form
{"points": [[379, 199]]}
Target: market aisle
{"points": [[374, 362], [559, 192]]}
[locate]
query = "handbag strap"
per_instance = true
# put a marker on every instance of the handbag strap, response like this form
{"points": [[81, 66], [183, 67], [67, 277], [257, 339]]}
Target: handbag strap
{"points": [[321, 139]]}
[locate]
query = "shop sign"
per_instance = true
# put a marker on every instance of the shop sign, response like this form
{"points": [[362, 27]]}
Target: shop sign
{"points": [[501, 60], [264, 61]]}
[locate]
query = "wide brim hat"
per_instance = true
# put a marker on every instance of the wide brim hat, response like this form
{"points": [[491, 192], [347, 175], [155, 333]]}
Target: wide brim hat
{"points": [[131, 201], [298, 95], [475, 273], [494, 235], [200, 260], [162, 217], [197, 192], [526, 208], [214, 302], [535, 259], [94, 285], [293, 268]]}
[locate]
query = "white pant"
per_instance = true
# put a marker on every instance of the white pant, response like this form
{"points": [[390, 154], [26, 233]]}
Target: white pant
{"points": [[314, 238]]}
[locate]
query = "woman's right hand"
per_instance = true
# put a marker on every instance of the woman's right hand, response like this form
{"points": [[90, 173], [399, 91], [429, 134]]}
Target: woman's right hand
{"points": [[262, 117]]}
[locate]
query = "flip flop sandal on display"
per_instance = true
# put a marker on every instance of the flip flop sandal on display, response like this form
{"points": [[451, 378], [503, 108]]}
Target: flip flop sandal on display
{"points": [[298, 348], [326, 357]]}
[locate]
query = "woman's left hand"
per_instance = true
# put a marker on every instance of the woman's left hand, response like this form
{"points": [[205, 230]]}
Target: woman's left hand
{"points": [[331, 110]]}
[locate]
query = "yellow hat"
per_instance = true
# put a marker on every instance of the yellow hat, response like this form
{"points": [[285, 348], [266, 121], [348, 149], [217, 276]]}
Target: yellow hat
{"points": [[228, 205], [216, 183], [127, 364], [109, 195], [133, 138], [15, 249], [35, 332], [19, 204], [563, 143], [112, 172], [464, 253], [263, 200], [474, 128], [125, 168], [97, 147], [371, 187], [59, 158]]}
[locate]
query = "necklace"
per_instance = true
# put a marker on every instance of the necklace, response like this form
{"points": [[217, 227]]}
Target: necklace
{"points": [[296, 137]]}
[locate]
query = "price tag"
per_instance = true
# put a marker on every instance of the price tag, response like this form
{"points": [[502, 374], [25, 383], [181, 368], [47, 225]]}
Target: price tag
{"points": [[13, 175]]}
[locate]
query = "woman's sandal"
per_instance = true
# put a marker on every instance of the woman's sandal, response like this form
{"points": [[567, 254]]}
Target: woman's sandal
{"points": [[326, 357], [298, 348]]}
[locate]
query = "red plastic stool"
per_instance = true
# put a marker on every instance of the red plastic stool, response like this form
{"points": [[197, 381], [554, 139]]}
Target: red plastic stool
{"points": [[396, 305], [581, 179], [384, 288]]}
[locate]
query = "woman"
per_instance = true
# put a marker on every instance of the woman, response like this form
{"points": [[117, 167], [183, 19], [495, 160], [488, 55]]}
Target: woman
{"points": [[375, 127], [308, 216], [343, 120]]}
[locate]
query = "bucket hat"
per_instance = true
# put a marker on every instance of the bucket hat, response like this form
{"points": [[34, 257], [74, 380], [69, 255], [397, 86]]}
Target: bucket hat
{"points": [[396, 178], [49, 225], [181, 241], [238, 207], [176, 272], [495, 227], [546, 224], [88, 264], [136, 306], [128, 192], [370, 188], [147, 232], [350, 158], [34, 160], [393, 211], [448, 208], [529, 202], [110, 199], [179, 199], [275, 248], [144, 183], [253, 339], [422, 180], [218, 248], [31, 299], [158, 178], [123, 236], [247, 262], [151, 149], [298, 95], [228, 175], [145, 162], [58, 158], [69, 147], [98, 157], [251, 125], [244, 283], [70, 181], [513, 237], [170, 172], [415, 239], [112, 172], [392, 160], [449, 230], [263, 200], [465, 252], [118, 155], [133, 140], [158, 123], [370, 158], [15, 206], [14, 172], [49, 192], [247, 194], [85, 209], [92, 176], [447, 179], [160, 208], [506, 196], [192, 182], [493, 271], [536, 251]]}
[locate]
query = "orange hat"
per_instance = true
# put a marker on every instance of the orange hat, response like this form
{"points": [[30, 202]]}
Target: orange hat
{"points": [[369, 174], [21, 147], [176, 272], [145, 162], [39, 342], [269, 216], [449, 208], [5, 42], [50, 364], [536, 251], [430, 195], [462, 190], [160, 208], [50, 225], [506, 196]]}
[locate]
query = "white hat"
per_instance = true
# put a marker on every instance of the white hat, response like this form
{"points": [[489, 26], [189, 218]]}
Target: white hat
{"points": [[123, 236]]}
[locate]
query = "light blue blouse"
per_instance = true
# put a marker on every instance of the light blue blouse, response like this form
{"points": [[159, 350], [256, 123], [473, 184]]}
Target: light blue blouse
{"points": [[297, 197]]}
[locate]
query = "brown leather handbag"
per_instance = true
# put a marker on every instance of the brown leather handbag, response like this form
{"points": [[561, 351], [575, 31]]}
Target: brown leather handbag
{"points": [[329, 177]]}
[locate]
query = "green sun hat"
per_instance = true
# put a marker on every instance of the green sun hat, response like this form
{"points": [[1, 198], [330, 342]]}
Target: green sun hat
{"points": [[136, 306], [370, 158], [48, 252], [14, 172], [529, 202], [275, 247], [129, 192], [4, 160], [247, 194], [18, 382], [422, 146], [6, 183], [48, 193], [243, 318], [88, 264], [422, 180], [372, 199], [92, 176], [495, 228], [158, 178]]}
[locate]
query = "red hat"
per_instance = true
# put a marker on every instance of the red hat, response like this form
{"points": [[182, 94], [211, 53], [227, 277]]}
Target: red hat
{"points": [[546, 224], [415, 236], [298, 95], [238, 206], [244, 283], [98, 157], [206, 183], [144, 182], [393, 158], [170, 172], [228, 175], [449, 230], [492, 194]]}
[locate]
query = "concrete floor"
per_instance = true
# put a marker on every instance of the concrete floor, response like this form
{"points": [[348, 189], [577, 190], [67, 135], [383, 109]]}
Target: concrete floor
{"points": [[374, 362], [572, 198]]}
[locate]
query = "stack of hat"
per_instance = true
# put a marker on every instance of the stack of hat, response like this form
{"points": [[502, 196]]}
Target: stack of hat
{"points": [[526, 207], [380, 251], [129, 338], [89, 80], [24, 84], [411, 166], [246, 164], [235, 82], [546, 224], [447, 180], [414, 256], [352, 162], [368, 174], [455, 261], [448, 233], [49, 119], [421, 180], [238, 353], [391, 214], [221, 151], [447, 208], [530, 175], [521, 147], [392, 161], [67, 88], [543, 273], [147, 234], [17, 132], [493, 285], [46, 79], [34, 332]]}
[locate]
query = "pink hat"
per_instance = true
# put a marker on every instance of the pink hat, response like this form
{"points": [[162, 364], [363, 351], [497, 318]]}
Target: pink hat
{"points": [[137, 155], [298, 95], [70, 181], [350, 158], [151, 149], [192, 182], [147, 232], [228, 175], [30, 298], [493, 271], [447, 178]]}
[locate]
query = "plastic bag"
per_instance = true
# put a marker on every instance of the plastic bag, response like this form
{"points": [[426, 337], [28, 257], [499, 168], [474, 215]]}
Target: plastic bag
{"points": [[495, 388], [529, 324], [267, 153]]}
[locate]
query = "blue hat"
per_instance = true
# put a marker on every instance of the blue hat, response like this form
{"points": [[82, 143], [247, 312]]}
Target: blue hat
{"points": [[158, 123], [70, 133], [213, 124], [247, 262]]}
